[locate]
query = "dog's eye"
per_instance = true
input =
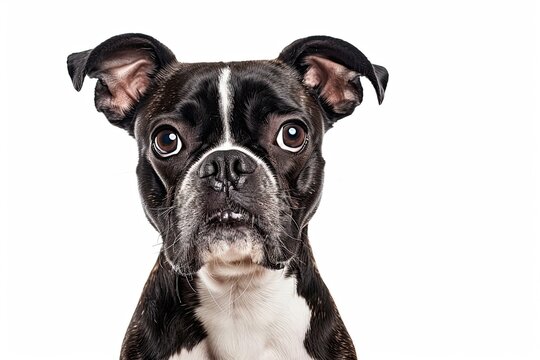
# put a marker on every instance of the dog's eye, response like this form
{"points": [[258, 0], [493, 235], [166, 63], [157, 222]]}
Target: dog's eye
{"points": [[292, 137], [167, 142]]}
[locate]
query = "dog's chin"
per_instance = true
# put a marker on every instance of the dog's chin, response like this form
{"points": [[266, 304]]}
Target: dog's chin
{"points": [[231, 245], [226, 259], [230, 249], [233, 242]]}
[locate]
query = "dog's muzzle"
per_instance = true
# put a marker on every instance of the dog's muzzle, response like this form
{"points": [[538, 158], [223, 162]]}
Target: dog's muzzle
{"points": [[229, 203]]}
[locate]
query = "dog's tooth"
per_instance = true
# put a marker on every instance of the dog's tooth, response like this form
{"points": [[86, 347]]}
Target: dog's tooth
{"points": [[236, 216], [225, 216]]}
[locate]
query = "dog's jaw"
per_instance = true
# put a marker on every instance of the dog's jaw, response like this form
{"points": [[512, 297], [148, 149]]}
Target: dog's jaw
{"points": [[236, 256]]}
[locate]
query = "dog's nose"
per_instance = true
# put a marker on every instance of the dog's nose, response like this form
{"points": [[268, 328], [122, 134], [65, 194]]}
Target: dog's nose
{"points": [[226, 168]]}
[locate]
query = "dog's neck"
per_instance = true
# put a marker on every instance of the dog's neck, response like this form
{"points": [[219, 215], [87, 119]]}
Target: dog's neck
{"points": [[269, 311], [250, 312]]}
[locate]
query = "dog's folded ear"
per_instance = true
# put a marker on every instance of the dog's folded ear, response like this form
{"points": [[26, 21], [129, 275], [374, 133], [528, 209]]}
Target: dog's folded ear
{"points": [[125, 66], [331, 68]]}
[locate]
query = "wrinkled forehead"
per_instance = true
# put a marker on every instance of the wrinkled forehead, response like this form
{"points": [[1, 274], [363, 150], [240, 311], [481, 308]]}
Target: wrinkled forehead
{"points": [[227, 97]]}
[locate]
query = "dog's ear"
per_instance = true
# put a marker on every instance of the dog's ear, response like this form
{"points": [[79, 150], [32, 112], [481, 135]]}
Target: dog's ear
{"points": [[125, 66], [331, 68]]}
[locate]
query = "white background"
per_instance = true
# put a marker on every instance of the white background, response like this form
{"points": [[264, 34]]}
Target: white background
{"points": [[428, 232]]}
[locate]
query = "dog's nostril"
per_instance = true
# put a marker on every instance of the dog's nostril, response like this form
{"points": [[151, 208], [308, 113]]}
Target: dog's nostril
{"points": [[241, 166], [208, 169]]}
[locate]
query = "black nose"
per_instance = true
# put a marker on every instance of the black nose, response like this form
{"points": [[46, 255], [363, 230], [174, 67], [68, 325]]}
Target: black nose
{"points": [[223, 169]]}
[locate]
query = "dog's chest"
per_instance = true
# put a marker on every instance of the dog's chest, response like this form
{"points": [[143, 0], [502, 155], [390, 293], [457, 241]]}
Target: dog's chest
{"points": [[258, 317]]}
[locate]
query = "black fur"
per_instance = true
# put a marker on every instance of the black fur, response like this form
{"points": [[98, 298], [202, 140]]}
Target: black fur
{"points": [[184, 96], [164, 320]]}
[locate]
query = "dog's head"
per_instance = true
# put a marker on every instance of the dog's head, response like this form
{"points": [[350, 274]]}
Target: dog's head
{"points": [[230, 166]]}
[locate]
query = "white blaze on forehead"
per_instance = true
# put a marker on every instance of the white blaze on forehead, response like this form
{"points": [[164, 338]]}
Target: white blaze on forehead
{"points": [[225, 109], [225, 103]]}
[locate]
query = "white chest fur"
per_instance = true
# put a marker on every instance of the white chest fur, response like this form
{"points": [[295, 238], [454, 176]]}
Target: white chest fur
{"points": [[256, 315]]}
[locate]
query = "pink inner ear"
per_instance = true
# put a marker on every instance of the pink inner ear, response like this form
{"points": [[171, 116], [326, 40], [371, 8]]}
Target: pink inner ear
{"points": [[332, 79], [127, 77]]}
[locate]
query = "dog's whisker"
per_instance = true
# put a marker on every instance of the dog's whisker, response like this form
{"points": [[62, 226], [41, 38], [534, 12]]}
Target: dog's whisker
{"points": [[189, 283]]}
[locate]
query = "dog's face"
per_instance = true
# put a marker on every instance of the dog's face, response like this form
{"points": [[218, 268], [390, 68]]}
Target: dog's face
{"points": [[232, 153], [230, 166]]}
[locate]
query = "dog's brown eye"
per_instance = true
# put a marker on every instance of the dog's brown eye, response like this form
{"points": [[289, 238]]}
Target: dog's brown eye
{"points": [[167, 142], [292, 137]]}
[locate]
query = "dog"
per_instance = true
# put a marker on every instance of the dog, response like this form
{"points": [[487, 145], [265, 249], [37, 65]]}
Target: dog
{"points": [[230, 173]]}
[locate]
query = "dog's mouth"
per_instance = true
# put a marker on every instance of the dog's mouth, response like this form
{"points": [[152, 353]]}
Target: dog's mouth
{"points": [[233, 216], [233, 240], [230, 217]]}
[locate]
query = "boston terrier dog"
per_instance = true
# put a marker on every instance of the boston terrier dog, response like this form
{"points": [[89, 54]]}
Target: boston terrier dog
{"points": [[230, 172]]}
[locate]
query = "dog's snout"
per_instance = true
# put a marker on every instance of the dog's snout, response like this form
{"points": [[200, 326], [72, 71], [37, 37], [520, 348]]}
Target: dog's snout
{"points": [[226, 168]]}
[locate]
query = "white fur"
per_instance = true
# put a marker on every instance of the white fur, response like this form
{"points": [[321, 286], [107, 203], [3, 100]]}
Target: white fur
{"points": [[225, 104], [256, 314], [199, 352]]}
